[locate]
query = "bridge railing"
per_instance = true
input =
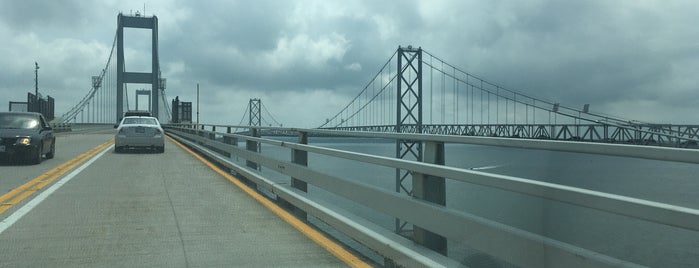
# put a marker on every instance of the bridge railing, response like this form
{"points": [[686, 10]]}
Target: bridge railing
{"points": [[61, 127], [499, 240]]}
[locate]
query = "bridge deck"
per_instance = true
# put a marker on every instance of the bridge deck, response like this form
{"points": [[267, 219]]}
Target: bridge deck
{"points": [[145, 210]]}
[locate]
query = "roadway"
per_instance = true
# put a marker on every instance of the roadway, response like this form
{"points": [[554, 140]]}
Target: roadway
{"points": [[92, 207]]}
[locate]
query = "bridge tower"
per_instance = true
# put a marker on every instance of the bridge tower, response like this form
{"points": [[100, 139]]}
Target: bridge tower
{"points": [[123, 76], [255, 109], [143, 92], [255, 120], [409, 120]]}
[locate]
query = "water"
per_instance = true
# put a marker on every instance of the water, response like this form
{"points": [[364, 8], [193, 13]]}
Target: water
{"points": [[621, 237]]}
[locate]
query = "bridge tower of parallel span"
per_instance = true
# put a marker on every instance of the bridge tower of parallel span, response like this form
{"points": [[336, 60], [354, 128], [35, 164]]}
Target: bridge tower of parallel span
{"points": [[124, 77], [409, 119]]}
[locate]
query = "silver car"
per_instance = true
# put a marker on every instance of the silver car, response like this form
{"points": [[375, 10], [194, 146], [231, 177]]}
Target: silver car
{"points": [[139, 132]]}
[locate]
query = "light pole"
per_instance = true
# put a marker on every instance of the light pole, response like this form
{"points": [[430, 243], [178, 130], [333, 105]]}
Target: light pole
{"points": [[36, 87]]}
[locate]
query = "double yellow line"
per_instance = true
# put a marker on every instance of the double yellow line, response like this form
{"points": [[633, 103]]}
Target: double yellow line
{"points": [[11, 198]]}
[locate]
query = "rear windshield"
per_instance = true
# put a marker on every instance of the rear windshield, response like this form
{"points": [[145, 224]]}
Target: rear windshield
{"points": [[146, 121], [18, 121], [137, 114]]}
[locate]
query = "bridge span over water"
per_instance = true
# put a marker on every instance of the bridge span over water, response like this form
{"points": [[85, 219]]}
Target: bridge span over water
{"points": [[428, 165], [223, 199]]}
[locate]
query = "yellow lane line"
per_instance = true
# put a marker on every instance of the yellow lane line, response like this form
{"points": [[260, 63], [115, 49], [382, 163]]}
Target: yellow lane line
{"points": [[320, 239], [18, 194]]}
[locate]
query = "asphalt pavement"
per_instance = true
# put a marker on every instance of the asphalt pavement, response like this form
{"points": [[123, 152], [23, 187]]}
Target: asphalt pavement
{"points": [[144, 209]]}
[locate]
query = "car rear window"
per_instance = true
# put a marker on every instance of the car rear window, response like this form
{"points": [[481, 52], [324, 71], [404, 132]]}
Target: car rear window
{"points": [[146, 121]]}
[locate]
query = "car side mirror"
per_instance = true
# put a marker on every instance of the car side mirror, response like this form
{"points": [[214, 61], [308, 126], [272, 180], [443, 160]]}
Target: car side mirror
{"points": [[116, 126]]}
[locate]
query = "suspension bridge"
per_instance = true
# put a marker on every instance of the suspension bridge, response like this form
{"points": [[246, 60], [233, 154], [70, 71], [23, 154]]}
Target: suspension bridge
{"points": [[413, 92], [424, 107]]}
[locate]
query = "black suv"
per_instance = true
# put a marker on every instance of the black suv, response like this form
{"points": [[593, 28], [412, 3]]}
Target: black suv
{"points": [[26, 136]]}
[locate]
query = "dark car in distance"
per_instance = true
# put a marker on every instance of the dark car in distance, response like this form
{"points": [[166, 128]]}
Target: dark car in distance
{"points": [[26, 136]]}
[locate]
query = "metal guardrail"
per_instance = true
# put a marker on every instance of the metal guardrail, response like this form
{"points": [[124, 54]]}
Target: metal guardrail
{"points": [[61, 127], [478, 232]]}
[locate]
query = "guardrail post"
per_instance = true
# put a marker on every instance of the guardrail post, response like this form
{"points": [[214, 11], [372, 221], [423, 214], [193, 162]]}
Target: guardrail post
{"points": [[227, 140], [252, 146], [300, 157], [431, 189]]}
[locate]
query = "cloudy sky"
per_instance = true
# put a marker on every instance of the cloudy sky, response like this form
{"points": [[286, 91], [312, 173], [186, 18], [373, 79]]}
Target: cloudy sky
{"points": [[305, 59]]}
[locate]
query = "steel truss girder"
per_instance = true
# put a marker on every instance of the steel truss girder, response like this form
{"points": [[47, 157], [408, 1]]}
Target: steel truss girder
{"points": [[681, 136]]}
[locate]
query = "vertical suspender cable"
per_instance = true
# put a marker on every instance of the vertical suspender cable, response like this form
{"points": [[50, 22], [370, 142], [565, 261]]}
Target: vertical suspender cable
{"points": [[488, 103], [473, 108], [497, 105], [466, 87], [443, 89], [455, 96], [514, 111], [481, 105], [431, 86]]}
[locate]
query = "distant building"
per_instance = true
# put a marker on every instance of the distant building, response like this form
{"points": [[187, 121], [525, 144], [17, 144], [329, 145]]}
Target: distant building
{"points": [[181, 111], [18, 107], [35, 104]]}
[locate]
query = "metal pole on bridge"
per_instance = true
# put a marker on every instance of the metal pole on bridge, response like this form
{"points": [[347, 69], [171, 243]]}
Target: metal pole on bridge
{"points": [[36, 87], [431, 189], [300, 157]]}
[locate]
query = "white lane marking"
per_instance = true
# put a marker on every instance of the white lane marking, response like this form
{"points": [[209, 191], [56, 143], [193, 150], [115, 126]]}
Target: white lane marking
{"points": [[17, 215]]}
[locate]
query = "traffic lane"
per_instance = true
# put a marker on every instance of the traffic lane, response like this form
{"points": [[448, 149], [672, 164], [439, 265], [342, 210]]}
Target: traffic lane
{"points": [[89, 129], [15, 198], [146, 209], [68, 146]]}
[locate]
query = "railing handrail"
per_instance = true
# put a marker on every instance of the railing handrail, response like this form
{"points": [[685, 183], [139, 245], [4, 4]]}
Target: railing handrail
{"points": [[622, 150]]}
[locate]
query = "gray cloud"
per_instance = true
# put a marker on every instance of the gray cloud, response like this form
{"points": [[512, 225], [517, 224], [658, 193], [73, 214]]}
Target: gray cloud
{"points": [[33, 14], [612, 54]]}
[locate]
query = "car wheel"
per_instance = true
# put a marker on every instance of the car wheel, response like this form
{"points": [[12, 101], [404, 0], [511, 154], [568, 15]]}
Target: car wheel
{"points": [[117, 149], [36, 159], [161, 149], [52, 152]]}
